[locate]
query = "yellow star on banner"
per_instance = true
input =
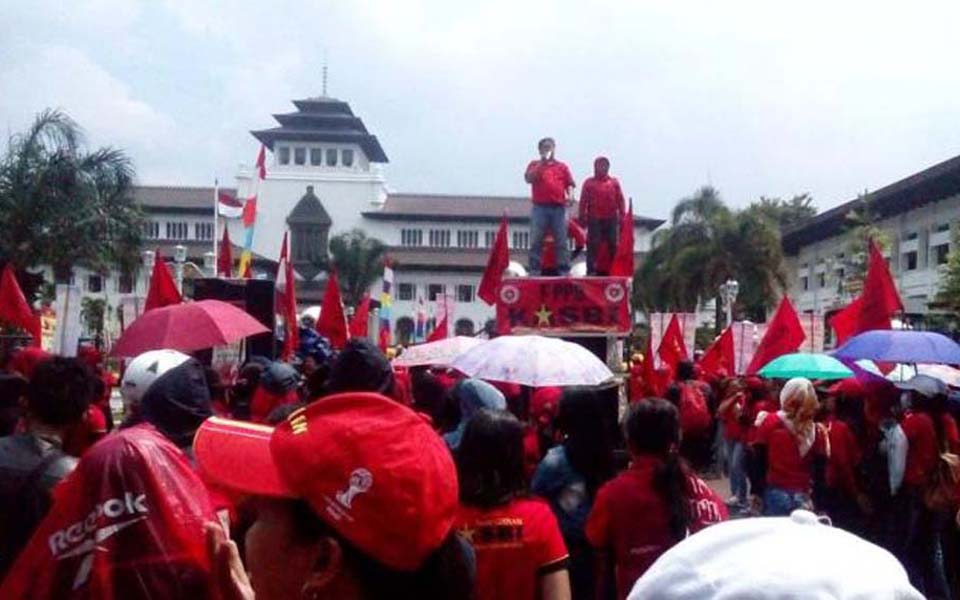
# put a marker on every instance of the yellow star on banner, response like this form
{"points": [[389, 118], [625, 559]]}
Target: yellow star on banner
{"points": [[543, 316]]}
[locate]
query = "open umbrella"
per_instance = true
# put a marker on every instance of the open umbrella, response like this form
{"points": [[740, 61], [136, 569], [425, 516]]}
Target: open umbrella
{"points": [[802, 364], [901, 346], [187, 327], [533, 360], [441, 352]]}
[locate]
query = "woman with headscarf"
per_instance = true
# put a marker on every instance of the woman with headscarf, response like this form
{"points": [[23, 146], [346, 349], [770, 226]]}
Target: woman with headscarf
{"points": [[791, 445], [472, 395]]}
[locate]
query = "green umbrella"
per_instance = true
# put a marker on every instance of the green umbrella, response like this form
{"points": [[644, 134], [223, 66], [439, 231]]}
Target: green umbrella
{"points": [[802, 364]]}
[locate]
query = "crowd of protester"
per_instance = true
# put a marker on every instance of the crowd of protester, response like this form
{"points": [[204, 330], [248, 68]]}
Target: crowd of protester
{"points": [[338, 475]]}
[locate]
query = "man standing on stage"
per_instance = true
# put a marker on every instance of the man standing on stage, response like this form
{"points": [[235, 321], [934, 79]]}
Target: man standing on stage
{"points": [[551, 187], [601, 211]]}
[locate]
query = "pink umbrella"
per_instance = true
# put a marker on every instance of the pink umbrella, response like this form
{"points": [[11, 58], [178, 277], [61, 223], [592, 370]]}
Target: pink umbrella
{"points": [[187, 327]]}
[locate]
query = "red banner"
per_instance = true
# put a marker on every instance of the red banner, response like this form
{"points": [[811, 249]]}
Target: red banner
{"points": [[564, 304]]}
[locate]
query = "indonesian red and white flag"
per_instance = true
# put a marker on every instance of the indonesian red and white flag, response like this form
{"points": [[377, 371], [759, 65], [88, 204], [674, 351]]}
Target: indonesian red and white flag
{"points": [[228, 207]]}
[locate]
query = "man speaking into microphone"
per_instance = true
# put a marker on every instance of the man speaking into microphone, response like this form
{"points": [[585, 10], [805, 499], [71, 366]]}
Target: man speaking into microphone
{"points": [[551, 188]]}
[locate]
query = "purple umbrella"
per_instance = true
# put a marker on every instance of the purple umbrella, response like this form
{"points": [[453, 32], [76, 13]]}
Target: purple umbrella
{"points": [[901, 346]]}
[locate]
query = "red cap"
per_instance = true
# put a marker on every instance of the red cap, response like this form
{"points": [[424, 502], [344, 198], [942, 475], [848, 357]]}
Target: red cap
{"points": [[848, 388], [371, 468], [755, 383]]}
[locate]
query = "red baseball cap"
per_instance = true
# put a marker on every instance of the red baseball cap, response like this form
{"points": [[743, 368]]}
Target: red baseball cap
{"points": [[371, 468], [544, 403]]}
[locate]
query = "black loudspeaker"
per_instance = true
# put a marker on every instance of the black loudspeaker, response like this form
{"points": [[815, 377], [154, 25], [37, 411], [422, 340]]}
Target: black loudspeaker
{"points": [[252, 295]]}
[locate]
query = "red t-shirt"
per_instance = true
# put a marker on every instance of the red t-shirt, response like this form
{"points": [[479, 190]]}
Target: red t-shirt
{"points": [[601, 199], [515, 544], [786, 469], [845, 455], [550, 182], [631, 520], [730, 417], [922, 452]]}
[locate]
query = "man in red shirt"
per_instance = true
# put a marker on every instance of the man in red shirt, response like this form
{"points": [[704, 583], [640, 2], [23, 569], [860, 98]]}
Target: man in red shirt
{"points": [[601, 211], [550, 184]]}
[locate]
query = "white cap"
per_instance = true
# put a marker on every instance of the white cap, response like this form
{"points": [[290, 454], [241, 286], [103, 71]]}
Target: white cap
{"points": [[775, 557], [144, 370]]}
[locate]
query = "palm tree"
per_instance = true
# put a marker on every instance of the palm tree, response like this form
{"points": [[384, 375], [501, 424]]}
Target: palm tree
{"points": [[64, 206], [359, 261], [706, 244]]}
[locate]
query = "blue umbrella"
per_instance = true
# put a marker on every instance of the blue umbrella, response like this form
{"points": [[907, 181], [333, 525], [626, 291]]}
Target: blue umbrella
{"points": [[901, 346]]}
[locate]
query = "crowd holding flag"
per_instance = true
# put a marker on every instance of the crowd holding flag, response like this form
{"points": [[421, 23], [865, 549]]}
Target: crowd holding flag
{"points": [[497, 263], [286, 296], [359, 322], [386, 301], [163, 289], [623, 260], [720, 355], [225, 255], [784, 335], [876, 304], [333, 322], [14, 308]]}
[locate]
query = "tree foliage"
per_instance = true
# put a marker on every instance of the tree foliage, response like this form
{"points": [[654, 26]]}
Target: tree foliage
{"points": [[706, 244], [785, 214], [862, 225], [948, 291], [65, 206], [359, 261]]}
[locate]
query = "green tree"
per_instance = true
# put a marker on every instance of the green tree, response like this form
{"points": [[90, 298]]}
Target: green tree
{"points": [[785, 214], [862, 225], [65, 206], [948, 290], [358, 260], [92, 313], [706, 244]]}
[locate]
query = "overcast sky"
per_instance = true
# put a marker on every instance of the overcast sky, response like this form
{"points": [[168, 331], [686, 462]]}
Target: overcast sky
{"points": [[757, 98]]}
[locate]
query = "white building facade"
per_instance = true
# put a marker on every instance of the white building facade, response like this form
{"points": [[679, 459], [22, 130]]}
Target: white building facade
{"points": [[917, 215], [324, 177]]}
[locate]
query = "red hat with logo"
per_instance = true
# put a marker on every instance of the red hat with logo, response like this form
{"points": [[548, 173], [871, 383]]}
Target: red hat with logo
{"points": [[371, 468]]}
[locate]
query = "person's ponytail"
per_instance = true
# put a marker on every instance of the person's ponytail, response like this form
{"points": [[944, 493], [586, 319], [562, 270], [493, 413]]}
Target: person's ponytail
{"points": [[671, 482]]}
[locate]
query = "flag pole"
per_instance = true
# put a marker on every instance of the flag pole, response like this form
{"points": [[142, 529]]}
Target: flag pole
{"points": [[216, 227]]}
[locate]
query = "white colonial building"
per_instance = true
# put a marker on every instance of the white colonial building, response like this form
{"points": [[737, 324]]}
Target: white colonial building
{"points": [[916, 213], [323, 178]]}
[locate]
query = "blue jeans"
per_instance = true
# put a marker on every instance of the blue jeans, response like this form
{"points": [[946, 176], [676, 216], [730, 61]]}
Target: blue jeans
{"points": [[778, 502], [552, 218], [737, 463]]}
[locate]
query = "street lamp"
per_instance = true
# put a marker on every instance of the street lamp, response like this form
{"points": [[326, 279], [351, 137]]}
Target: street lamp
{"points": [[728, 293], [209, 264], [179, 257]]}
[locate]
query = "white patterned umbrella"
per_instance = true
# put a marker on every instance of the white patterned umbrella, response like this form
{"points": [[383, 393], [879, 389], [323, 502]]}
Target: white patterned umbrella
{"points": [[533, 360], [441, 352]]}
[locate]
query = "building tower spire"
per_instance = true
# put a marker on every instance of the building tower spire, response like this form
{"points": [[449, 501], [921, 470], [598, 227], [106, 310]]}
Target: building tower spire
{"points": [[324, 73]]}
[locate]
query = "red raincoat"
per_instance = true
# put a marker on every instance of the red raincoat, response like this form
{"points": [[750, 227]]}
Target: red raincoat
{"points": [[127, 523]]}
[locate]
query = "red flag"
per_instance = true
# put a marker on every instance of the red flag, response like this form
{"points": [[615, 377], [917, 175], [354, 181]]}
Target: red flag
{"points": [[875, 305], [440, 333], [262, 162], [225, 256], [359, 324], [333, 323], [784, 335], [720, 355], [287, 301], [672, 347], [623, 260], [14, 308], [384, 338], [250, 212], [651, 379], [163, 289], [496, 265], [247, 272]]}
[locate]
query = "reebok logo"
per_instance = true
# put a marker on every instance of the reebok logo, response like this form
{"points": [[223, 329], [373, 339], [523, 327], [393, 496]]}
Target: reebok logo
{"points": [[85, 533]]}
